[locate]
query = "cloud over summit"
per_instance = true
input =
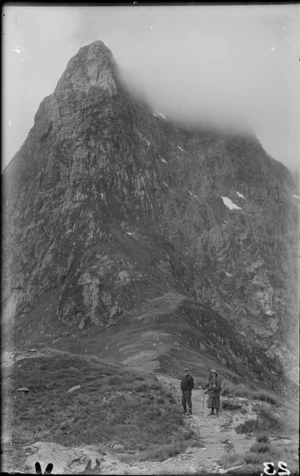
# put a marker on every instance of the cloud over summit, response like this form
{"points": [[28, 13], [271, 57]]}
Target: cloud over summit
{"points": [[193, 63]]}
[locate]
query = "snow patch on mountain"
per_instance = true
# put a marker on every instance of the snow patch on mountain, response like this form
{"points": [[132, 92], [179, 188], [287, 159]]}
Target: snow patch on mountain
{"points": [[159, 114], [144, 138], [229, 203]]}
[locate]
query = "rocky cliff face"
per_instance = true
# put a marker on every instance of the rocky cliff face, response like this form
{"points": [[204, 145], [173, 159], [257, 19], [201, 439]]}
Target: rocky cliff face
{"points": [[134, 222]]}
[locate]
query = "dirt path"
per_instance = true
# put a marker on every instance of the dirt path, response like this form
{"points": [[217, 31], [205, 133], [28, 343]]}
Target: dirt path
{"points": [[216, 434], [217, 438]]}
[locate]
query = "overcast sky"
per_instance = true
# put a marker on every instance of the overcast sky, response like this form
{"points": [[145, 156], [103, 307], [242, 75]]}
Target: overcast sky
{"points": [[226, 62]]}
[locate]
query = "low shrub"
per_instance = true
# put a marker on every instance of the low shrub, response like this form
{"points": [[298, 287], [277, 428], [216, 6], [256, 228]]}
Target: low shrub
{"points": [[172, 399], [266, 421], [139, 378], [241, 390], [196, 444], [162, 452], [260, 447], [188, 434], [254, 458], [249, 426], [141, 387], [262, 438], [265, 396], [288, 454], [274, 453], [231, 459], [169, 395], [272, 422], [230, 405]]}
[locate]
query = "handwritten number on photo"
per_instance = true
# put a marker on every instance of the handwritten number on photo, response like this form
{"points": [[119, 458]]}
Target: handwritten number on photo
{"points": [[270, 470]]}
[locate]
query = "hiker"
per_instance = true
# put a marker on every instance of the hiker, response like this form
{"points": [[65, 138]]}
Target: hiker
{"points": [[187, 385], [213, 388]]}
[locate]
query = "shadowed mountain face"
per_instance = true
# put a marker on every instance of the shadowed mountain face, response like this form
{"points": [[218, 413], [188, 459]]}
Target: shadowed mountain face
{"points": [[146, 242]]}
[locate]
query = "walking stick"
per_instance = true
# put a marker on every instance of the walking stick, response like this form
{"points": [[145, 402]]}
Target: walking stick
{"points": [[203, 403]]}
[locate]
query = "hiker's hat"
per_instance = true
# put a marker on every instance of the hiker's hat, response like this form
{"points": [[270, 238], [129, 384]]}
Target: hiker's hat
{"points": [[213, 371], [186, 371]]}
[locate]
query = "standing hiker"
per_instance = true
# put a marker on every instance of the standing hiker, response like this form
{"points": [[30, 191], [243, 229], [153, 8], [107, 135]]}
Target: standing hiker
{"points": [[187, 385], [213, 388]]}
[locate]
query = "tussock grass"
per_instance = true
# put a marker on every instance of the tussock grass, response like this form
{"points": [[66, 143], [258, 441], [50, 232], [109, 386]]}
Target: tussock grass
{"points": [[273, 422], [260, 447], [188, 434], [266, 452], [232, 459], [229, 389], [170, 446], [254, 458], [163, 452], [265, 396], [113, 405], [230, 405], [262, 438], [266, 421], [284, 453]]}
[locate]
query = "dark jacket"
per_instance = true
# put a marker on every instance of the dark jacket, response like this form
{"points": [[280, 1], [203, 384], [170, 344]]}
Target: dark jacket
{"points": [[187, 383]]}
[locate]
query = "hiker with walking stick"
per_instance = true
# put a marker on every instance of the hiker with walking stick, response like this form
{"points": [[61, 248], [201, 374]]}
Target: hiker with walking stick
{"points": [[213, 389]]}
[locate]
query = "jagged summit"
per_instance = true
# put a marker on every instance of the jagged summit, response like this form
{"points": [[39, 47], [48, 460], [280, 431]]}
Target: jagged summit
{"points": [[95, 49], [93, 65]]}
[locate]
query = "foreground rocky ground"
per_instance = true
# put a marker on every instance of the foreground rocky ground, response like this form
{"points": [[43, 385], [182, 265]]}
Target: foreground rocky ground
{"points": [[220, 448]]}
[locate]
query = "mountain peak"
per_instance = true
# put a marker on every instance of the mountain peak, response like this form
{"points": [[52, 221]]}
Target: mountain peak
{"points": [[133, 232], [93, 65], [94, 50]]}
